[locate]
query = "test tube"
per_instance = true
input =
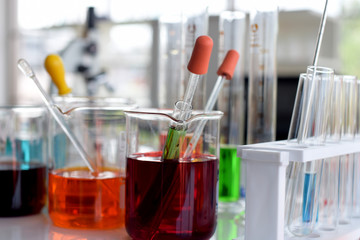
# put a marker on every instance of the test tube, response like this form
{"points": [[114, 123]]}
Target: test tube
{"points": [[232, 25], [356, 202], [303, 207], [348, 163], [262, 75]]}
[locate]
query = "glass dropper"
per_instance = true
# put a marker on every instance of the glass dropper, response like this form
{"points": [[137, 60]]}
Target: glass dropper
{"points": [[26, 69], [197, 66], [225, 71]]}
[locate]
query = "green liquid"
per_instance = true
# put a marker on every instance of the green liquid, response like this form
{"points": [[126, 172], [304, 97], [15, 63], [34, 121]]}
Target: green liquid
{"points": [[229, 174]]}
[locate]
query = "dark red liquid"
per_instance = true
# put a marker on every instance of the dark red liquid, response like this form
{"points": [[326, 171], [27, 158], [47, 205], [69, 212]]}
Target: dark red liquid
{"points": [[171, 199], [23, 189]]}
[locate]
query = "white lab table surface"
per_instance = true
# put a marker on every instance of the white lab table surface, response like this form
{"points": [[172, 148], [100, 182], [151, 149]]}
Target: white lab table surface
{"points": [[39, 227]]}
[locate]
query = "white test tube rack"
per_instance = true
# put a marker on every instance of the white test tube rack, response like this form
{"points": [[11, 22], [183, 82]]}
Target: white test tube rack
{"points": [[265, 187]]}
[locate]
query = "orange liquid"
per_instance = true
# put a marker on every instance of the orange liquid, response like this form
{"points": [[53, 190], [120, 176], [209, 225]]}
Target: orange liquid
{"points": [[77, 199]]}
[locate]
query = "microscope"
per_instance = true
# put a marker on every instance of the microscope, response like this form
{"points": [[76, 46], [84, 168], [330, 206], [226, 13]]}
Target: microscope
{"points": [[80, 59]]}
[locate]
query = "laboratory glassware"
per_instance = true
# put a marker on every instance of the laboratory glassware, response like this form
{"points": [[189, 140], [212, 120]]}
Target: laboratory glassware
{"points": [[350, 88], [329, 195], [175, 198], [303, 179], [225, 72], [197, 66], [297, 109], [23, 156], [314, 114], [346, 188], [78, 197], [347, 162], [26, 69], [356, 199], [262, 75], [356, 187], [171, 58], [328, 218], [231, 102], [195, 25], [304, 193]]}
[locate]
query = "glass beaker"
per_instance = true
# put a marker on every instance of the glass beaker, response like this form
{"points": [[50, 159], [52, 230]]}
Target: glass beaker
{"points": [[79, 198], [171, 198], [23, 156]]}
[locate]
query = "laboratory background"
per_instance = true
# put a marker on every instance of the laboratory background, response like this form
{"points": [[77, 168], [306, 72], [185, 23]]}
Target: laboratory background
{"points": [[206, 119]]}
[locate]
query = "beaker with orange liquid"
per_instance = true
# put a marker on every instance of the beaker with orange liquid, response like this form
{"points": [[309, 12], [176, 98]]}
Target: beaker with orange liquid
{"points": [[79, 198]]}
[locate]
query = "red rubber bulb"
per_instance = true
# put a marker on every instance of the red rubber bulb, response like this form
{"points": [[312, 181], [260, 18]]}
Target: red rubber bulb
{"points": [[227, 67], [200, 57]]}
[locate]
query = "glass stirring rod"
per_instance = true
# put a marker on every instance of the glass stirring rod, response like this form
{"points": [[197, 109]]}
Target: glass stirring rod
{"points": [[198, 65], [26, 69], [225, 71]]}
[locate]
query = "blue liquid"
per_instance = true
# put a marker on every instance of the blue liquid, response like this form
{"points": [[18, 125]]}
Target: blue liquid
{"points": [[308, 196], [59, 148], [25, 150]]}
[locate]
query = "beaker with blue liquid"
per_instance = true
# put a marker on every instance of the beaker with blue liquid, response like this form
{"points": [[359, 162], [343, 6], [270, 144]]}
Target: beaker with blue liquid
{"points": [[23, 156]]}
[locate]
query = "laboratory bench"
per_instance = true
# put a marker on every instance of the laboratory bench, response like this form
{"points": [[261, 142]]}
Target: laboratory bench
{"points": [[230, 226]]}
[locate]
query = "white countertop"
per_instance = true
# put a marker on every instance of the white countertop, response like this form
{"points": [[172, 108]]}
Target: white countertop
{"points": [[40, 227]]}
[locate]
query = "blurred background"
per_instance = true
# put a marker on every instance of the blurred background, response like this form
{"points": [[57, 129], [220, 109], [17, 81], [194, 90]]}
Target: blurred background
{"points": [[114, 47]]}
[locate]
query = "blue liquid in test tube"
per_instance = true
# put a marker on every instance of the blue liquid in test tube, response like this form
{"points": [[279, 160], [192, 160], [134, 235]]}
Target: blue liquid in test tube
{"points": [[308, 196]]}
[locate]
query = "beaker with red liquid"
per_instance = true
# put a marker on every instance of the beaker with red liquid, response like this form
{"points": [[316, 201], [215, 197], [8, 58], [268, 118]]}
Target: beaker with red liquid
{"points": [[23, 159], [171, 198], [79, 198]]}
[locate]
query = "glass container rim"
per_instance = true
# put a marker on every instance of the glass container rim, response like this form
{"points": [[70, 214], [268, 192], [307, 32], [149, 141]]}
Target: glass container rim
{"points": [[90, 99], [96, 108], [31, 111], [320, 69], [196, 114]]}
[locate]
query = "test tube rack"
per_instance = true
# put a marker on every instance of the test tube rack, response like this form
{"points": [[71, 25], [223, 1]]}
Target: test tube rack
{"points": [[265, 165]]}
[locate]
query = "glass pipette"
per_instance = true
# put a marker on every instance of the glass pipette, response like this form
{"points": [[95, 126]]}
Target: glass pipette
{"points": [[55, 67], [26, 69], [225, 71], [198, 65]]}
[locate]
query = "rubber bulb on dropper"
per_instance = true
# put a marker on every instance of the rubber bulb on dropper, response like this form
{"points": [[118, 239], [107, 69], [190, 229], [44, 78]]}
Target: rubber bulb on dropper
{"points": [[200, 58], [55, 67], [227, 67]]}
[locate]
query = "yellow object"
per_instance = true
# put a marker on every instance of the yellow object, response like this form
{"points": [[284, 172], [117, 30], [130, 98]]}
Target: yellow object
{"points": [[54, 66]]}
